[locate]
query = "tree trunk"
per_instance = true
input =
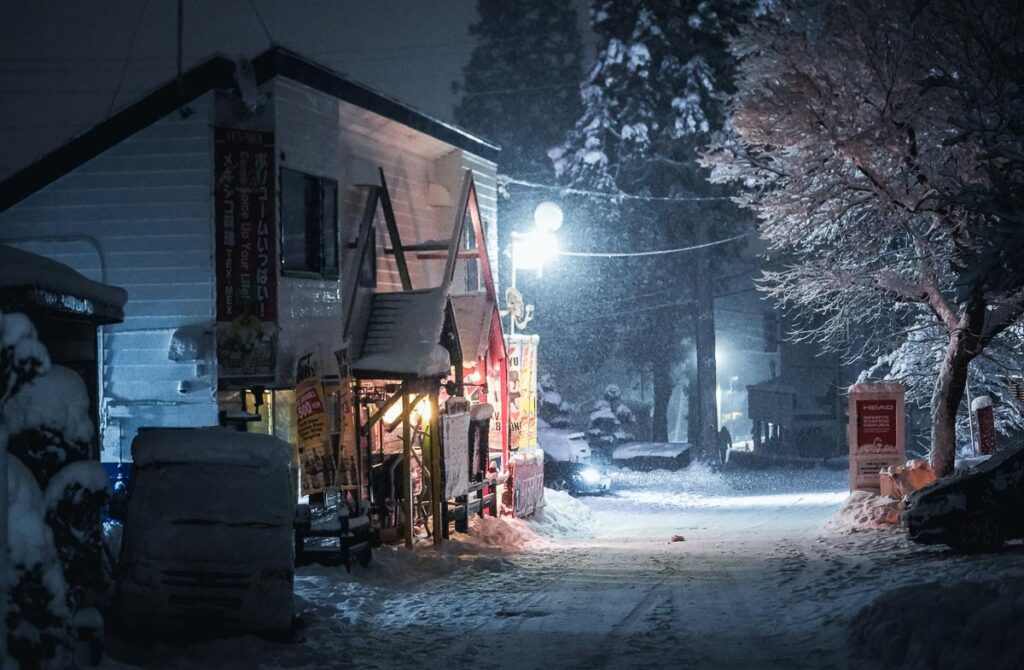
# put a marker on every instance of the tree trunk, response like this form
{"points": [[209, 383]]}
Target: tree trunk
{"points": [[692, 409], [707, 403], [950, 384], [662, 395]]}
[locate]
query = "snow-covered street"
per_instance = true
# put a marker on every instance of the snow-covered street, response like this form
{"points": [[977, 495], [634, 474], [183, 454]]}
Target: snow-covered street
{"points": [[757, 582]]}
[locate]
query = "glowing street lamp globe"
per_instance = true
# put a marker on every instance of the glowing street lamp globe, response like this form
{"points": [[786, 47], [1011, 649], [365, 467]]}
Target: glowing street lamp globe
{"points": [[548, 216]]}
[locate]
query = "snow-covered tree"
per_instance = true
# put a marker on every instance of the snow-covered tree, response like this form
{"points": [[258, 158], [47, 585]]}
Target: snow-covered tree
{"points": [[881, 145], [612, 421], [54, 497], [650, 104], [518, 90]]}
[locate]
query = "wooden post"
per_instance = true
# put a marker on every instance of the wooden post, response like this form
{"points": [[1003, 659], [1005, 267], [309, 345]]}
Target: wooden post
{"points": [[409, 507], [436, 469]]}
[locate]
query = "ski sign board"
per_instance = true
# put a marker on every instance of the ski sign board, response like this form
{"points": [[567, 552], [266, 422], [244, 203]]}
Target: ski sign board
{"points": [[876, 432]]}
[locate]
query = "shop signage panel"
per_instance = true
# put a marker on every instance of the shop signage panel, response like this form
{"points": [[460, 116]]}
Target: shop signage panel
{"points": [[245, 253]]}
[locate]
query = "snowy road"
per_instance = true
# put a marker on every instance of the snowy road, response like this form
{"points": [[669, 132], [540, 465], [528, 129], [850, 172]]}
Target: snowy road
{"points": [[757, 583]]}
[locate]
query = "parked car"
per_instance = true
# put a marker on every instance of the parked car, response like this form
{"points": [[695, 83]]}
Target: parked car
{"points": [[208, 532], [568, 464], [974, 511]]}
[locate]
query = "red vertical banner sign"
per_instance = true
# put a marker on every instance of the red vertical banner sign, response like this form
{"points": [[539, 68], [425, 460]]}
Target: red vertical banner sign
{"points": [[984, 419], [876, 432], [246, 253]]}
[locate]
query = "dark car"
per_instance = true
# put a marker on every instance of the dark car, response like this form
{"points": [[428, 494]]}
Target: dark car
{"points": [[574, 478], [977, 510]]}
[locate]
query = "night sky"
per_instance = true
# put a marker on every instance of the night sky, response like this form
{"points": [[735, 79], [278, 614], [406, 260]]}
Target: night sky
{"points": [[60, 62]]}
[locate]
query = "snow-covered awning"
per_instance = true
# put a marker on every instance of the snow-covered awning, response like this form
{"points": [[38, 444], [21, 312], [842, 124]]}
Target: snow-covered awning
{"points": [[30, 282], [403, 334]]}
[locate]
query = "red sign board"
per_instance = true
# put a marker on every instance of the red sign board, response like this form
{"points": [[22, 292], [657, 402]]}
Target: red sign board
{"points": [[245, 224], [246, 251], [876, 426]]}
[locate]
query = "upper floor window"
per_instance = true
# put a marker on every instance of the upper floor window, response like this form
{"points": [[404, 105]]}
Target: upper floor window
{"points": [[309, 224]]}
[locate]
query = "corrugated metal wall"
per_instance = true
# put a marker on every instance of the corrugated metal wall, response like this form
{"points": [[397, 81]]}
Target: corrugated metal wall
{"points": [[138, 216]]}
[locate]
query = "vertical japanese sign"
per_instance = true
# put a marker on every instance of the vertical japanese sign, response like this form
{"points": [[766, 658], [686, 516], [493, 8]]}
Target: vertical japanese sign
{"points": [[522, 391], [315, 459], [246, 251], [875, 432]]}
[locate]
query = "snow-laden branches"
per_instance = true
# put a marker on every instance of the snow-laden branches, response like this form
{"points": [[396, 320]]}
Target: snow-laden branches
{"points": [[885, 160]]}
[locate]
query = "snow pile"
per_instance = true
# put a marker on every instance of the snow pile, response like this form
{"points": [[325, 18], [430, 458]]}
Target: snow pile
{"points": [[864, 510], [562, 517], [935, 625], [502, 532]]}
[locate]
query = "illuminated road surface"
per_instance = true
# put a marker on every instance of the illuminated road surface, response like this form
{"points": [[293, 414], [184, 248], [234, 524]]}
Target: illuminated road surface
{"points": [[748, 587]]}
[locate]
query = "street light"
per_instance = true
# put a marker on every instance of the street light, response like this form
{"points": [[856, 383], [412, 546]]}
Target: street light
{"points": [[532, 251]]}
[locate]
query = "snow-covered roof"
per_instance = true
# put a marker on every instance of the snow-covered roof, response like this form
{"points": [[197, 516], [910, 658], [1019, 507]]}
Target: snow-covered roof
{"points": [[214, 445], [473, 314], [650, 450], [25, 269], [402, 335]]}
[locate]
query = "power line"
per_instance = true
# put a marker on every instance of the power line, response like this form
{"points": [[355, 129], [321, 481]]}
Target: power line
{"points": [[504, 180], [659, 252], [127, 57]]}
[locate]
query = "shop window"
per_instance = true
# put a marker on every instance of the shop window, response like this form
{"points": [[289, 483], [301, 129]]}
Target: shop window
{"points": [[309, 225], [472, 264], [368, 267]]}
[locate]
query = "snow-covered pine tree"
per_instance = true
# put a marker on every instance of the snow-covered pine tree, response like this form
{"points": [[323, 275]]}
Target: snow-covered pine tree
{"points": [[519, 91], [652, 101], [886, 162]]}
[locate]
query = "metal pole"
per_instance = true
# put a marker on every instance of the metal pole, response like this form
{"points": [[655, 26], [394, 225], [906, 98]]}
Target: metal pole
{"points": [[511, 316], [436, 469], [410, 508]]}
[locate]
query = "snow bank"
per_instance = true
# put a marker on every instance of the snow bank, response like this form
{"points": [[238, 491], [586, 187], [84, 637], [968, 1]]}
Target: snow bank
{"points": [[562, 517], [935, 625], [863, 510]]}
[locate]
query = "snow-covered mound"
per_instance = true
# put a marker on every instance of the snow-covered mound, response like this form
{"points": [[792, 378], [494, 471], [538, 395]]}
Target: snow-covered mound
{"points": [[865, 511], [562, 517], [934, 626]]}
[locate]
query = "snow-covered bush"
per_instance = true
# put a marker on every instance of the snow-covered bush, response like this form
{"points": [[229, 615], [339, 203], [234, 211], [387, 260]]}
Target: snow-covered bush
{"points": [[38, 616], [54, 500], [612, 421], [48, 421], [553, 409]]}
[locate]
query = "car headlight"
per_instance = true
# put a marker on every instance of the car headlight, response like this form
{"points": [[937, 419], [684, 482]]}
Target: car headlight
{"points": [[590, 475]]}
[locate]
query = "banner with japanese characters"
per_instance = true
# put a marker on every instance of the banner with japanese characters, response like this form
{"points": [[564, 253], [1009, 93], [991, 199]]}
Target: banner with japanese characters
{"points": [[245, 254], [522, 391]]}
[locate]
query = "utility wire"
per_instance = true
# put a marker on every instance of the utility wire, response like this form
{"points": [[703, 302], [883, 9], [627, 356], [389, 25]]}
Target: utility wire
{"points": [[263, 24], [127, 57], [659, 252], [504, 180]]}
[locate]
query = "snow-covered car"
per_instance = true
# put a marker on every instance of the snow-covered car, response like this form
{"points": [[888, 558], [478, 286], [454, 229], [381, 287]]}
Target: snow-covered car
{"points": [[208, 531], [568, 464], [652, 455], [974, 511]]}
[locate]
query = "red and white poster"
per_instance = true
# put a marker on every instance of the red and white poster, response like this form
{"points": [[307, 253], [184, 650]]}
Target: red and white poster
{"points": [[876, 432], [246, 253]]}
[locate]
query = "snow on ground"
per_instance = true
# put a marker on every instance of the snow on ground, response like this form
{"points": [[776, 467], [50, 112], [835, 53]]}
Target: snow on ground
{"points": [[759, 581]]}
